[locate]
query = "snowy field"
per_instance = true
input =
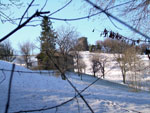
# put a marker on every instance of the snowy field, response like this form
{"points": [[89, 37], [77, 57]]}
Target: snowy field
{"points": [[39, 91]]}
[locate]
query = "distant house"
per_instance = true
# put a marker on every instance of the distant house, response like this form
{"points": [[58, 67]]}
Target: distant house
{"points": [[61, 61], [19, 60]]}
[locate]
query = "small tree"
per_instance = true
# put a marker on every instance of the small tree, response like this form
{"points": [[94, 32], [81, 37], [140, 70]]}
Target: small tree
{"points": [[77, 57], [126, 60], [81, 66], [136, 66], [99, 63], [103, 63], [6, 52], [95, 64], [26, 51], [121, 60]]}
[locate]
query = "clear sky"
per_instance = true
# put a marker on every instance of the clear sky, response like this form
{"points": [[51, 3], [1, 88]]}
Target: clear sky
{"points": [[77, 8]]}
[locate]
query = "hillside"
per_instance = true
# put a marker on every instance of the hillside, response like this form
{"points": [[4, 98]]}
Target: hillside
{"points": [[112, 69], [32, 91]]}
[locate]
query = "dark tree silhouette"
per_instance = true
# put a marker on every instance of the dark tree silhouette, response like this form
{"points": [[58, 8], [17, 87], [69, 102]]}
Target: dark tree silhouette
{"points": [[47, 42]]}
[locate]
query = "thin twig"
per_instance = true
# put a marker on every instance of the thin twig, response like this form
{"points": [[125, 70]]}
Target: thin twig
{"points": [[26, 11], [23, 24], [89, 16], [80, 18], [60, 8], [44, 5], [117, 19], [113, 23]]}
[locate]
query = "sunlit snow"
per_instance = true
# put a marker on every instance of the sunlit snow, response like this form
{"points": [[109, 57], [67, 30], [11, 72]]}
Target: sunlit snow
{"points": [[36, 91]]}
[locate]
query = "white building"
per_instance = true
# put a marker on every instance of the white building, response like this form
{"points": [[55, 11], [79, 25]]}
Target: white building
{"points": [[19, 60]]}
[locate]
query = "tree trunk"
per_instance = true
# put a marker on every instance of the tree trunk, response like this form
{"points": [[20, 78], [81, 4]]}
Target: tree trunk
{"points": [[103, 72], [94, 74], [124, 78]]}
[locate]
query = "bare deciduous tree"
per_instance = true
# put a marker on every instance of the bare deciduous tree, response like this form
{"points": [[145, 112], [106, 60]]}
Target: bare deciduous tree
{"points": [[95, 64], [138, 9], [99, 64], [66, 41], [121, 60], [81, 66], [103, 60], [127, 61], [136, 68], [77, 56], [26, 50]]}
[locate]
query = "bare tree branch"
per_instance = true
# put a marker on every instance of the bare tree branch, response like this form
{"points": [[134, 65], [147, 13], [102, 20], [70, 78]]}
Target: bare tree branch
{"points": [[36, 14], [26, 11], [80, 18], [60, 8], [44, 5], [117, 19], [114, 23]]}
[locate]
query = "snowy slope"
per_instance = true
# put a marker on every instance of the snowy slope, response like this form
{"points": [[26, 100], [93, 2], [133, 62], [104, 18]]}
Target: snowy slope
{"points": [[112, 69], [34, 91]]}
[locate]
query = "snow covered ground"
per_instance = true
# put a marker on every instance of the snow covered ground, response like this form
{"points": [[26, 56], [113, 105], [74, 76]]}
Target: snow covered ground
{"points": [[35, 91], [112, 69]]}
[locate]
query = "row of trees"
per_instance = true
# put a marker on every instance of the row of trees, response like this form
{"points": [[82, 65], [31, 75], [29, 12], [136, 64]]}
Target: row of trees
{"points": [[55, 48], [8, 53], [52, 45], [116, 46], [133, 68]]}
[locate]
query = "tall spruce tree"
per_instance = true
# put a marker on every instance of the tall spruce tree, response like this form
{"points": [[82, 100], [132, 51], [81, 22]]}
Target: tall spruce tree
{"points": [[48, 36], [47, 42]]}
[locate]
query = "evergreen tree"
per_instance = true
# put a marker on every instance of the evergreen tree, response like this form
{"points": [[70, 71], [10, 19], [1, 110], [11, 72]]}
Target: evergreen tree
{"points": [[48, 36], [6, 52], [47, 41]]}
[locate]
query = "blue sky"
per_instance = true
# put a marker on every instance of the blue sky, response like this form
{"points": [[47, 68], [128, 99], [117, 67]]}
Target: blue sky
{"points": [[74, 10]]}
